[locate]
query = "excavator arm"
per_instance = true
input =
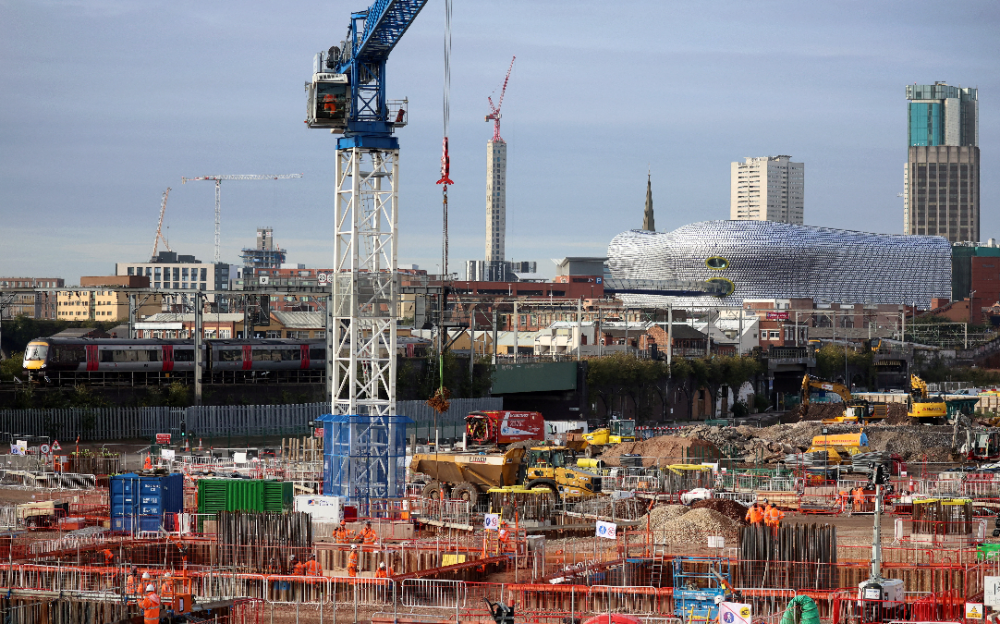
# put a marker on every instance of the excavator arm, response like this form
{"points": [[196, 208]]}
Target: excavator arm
{"points": [[810, 381]]}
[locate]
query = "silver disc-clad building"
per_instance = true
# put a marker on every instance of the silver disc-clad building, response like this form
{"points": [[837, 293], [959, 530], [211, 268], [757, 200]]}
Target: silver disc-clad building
{"points": [[770, 260]]}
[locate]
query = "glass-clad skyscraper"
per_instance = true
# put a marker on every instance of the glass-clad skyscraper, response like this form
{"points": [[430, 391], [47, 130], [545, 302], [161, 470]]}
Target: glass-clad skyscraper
{"points": [[941, 178]]}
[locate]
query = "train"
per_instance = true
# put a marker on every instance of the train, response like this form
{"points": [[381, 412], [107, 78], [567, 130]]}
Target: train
{"points": [[67, 361]]}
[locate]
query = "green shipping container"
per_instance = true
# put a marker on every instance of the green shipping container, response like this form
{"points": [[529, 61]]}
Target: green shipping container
{"points": [[243, 495]]}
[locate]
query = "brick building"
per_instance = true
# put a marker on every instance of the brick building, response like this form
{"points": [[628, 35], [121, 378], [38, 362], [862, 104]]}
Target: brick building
{"points": [[38, 304]]}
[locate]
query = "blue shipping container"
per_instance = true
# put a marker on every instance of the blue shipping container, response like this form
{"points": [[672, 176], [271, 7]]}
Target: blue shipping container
{"points": [[140, 503]]}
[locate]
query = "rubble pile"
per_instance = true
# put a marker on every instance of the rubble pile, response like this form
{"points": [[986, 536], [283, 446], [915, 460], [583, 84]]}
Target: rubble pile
{"points": [[771, 444]]}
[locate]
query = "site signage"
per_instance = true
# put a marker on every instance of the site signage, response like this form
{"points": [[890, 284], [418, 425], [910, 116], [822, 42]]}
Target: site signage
{"points": [[163, 438], [608, 530], [777, 316], [492, 522], [991, 591], [974, 611], [734, 613], [318, 432]]}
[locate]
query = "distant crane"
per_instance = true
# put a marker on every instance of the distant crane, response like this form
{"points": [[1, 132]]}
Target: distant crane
{"points": [[495, 110], [159, 227], [218, 197]]}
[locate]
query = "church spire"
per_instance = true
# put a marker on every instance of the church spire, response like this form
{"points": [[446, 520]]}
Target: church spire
{"points": [[647, 219]]}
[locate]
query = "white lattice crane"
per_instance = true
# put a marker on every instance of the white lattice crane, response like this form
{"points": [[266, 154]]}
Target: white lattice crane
{"points": [[159, 227], [218, 196]]}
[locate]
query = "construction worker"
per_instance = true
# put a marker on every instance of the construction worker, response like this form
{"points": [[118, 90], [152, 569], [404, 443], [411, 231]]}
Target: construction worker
{"points": [[369, 536], [313, 568], [842, 500], [148, 464], [298, 568], [503, 535], [352, 562], [166, 588], [131, 581], [774, 518], [766, 516], [381, 572], [109, 557], [859, 499], [150, 605], [754, 515]]}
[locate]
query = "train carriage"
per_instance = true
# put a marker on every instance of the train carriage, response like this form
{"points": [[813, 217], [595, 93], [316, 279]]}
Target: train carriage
{"points": [[68, 361]]}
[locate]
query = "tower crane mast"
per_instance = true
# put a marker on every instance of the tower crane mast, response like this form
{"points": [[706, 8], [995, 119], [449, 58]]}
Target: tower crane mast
{"points": [[495, 110], [347, 95], [218, 194], [159, 227]]}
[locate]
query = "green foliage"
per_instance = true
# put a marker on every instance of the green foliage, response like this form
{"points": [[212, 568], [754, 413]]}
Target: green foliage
{"points": [[830, 362], [622, 375], [760, 403], [939, 371], [12, 367], [740, 409]]}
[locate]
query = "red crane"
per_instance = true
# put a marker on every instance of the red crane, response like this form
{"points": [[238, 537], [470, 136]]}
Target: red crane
{"points": [[495, 110]]}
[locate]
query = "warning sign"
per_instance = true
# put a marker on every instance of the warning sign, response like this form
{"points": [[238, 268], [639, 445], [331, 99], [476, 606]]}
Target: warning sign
{"points": [[973, 610], [163, 438], [734, 613], [55, 445], [44, 449]]}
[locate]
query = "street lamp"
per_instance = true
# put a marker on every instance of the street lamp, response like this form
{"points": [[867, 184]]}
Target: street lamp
{"points": [[972, 299]]}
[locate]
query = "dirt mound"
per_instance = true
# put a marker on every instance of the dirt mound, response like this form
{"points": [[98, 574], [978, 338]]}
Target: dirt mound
{"points": [[694, 527], [819, 411], [897, 415], [661, 450], [729, 508], [526, 444]]}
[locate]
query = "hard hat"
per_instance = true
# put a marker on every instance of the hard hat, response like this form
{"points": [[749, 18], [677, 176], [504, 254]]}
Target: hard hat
{"points": [[719, 599], [292, 558], [354, 546], [150, 587], [167, 575], [145, 575], [381, 565]]}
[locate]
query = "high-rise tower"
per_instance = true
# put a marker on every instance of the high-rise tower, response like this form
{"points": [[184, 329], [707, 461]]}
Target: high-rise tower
{"points": [[941, 178], [767, 188], [496, 208]]}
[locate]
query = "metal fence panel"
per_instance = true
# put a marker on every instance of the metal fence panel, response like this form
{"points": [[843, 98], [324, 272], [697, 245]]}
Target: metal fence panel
{"points": [[121, 423]]}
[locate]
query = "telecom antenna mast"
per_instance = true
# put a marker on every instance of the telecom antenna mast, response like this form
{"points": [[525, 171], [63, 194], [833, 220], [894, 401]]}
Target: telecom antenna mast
{"points": [[159, 227], [218, 194], [347, 95]]}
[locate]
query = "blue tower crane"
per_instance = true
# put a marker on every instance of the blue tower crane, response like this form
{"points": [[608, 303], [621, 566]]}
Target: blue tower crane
{"points": [[365, 437], [347, 92]]}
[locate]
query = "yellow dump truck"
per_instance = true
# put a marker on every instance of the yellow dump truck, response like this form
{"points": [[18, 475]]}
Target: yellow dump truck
{"points": [[466, 476]]}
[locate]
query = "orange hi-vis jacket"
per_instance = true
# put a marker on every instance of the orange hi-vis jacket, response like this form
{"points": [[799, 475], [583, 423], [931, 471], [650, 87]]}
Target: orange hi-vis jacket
{"points": [[352, 564], [313, 568], [754, 515], [369, 536], [150, 608]]}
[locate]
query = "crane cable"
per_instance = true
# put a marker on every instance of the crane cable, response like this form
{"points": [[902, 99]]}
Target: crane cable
{"points": [[444, 182]]}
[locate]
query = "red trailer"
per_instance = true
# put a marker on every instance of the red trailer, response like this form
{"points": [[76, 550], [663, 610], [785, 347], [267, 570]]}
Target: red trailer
{"points": [[504, 427]]}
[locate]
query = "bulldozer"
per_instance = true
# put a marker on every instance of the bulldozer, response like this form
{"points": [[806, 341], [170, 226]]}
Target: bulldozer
{"points": [[617, 431], [468, 476], [922, 406], [855, 410]]}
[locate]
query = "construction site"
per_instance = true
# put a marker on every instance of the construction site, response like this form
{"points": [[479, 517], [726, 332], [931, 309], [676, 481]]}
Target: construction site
{"points": [[878, 508], [358, 523]]}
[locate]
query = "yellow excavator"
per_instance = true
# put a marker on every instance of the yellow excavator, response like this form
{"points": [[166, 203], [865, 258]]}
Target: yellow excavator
{"points": [[855, 410], [618, 430], [922, 406]]}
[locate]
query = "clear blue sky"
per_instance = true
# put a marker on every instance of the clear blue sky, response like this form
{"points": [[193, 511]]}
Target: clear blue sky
{"points": [[105, 103]]}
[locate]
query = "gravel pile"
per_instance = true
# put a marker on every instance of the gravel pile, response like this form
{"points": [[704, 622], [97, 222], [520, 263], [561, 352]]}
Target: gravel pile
{"points": [[693, 527], [660, 450], [729, 508]]}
